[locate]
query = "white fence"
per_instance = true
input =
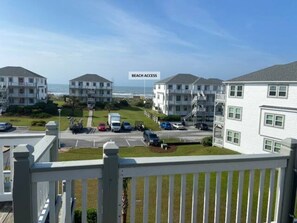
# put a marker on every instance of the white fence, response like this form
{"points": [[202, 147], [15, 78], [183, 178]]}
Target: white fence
{"points": [[7, 143], [232, 188]]}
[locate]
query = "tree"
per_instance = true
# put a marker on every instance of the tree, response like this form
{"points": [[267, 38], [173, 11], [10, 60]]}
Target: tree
{"points": [[108, 107], [125, 201], [74, 103]]}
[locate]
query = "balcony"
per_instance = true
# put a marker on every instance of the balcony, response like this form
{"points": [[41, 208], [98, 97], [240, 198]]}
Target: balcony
{"points": [[22, 84], [219, 119], [176, 91], [220, 98], [225, 178]]}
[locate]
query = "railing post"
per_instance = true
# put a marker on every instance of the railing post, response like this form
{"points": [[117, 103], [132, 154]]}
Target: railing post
{"points": [[110, 182], [289, 146], [22, 184], [52, 129]]}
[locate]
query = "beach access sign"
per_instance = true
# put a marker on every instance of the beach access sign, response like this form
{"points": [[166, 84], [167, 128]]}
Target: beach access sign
{"points": [[144, 75]]}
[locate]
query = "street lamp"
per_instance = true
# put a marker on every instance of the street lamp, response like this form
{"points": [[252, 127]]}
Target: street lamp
{"points": [[59, 135]]}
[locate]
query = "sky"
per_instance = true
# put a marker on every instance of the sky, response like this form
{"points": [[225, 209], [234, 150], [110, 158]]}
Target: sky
{"points": [[65, 39]]}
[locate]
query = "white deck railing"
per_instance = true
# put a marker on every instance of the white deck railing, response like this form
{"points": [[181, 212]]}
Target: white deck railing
{"points": [[163, 189], [8, 142]]}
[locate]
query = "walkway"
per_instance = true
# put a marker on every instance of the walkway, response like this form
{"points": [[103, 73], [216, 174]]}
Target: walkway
{"points": [[90, 119]]}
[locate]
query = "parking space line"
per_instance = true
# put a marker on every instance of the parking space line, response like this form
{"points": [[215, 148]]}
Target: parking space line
{"points": [[76, 143], [94, 143], [128, 143], [143, 142]]}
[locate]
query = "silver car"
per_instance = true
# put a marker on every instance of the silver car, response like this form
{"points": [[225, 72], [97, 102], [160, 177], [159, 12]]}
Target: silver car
{"points": [[5, 126]]}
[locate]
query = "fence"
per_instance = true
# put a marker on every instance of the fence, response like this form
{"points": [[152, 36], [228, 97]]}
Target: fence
{"points": [[162, 189], [7, 144]]}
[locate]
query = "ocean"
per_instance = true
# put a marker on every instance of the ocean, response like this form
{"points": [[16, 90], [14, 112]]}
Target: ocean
{"points": [[118, 91]]}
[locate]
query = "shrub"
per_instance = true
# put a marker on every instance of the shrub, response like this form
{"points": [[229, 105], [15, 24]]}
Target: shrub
{"points": [[172, 118], [207, 141], [40, 115], [38, 123], [91, 216]]}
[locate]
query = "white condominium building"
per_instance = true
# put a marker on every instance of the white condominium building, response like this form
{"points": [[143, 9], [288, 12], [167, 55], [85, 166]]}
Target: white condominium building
{"points": [[259, 110], [186, 95], [19, 86], [91, 88]]}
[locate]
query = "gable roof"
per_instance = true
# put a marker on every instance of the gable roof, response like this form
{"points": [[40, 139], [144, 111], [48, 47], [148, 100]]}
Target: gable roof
{"points": [[11, 71], [179, 79], [276, 73], [91, 78], [188, 79]]}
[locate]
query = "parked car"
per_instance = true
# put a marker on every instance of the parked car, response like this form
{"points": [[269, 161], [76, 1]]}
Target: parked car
{"points": [[166, 125], [101, 127], [201, 126], [4, 126], [126, 126], [178, 126], [151, 138]]}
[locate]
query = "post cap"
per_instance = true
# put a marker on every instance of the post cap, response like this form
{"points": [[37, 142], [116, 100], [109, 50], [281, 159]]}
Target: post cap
{"points": [[51, 125], [23, 151], [110, 148]]}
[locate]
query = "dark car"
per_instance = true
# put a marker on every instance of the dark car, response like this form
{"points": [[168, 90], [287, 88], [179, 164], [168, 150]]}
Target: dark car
{"points": [[151, 138], [201, 126], [126, 126], [166, 125], [4, 126]]}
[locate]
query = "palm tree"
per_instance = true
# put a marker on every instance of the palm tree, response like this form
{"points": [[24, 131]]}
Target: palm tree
{"points": [[125, 202]]}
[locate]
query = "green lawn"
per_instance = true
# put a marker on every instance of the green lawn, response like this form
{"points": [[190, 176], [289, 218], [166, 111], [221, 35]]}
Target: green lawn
{"points": [[26, 121], [130, 114], [190, 150]]}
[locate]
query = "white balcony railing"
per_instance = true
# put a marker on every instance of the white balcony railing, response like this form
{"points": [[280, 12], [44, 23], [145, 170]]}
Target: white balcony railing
{"points": [[220, 97], [153, 182]]}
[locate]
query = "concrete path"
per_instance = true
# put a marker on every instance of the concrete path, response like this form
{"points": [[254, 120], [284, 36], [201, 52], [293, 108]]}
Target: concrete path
{"points": [[90, 119]]}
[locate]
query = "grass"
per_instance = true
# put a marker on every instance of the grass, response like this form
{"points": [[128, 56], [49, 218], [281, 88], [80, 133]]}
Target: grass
{"points": [[130, 114], [26, 121]]}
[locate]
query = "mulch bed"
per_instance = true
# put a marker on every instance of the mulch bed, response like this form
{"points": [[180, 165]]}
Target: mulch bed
{"points": [[158, 149]]}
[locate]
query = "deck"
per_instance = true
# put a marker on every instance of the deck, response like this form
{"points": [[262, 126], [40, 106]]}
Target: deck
{"points": [[6, 213]]}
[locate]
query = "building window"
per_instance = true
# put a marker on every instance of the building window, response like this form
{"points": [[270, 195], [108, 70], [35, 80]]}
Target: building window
{"points": [[177, 108], [31, 91], [274, 120], [87, 84], [272, 146], [234, 112], [73, 83], [185, 98], [185, 108], [11, 90], [80, 84], [107, 92], [169, 86], [187, 87], [198, 87], [236, 91], [215, 87], [206, 87], [73, 91], [94, 84], [108, 84], [31, 80], [178, 87], [101, 84], [1, 79], [21, 91], [277, 91], [10, 79], [158, 96], [159, 86], [170, 97], [177, 97], [31, 100], [233, 137], [22, 100]]}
